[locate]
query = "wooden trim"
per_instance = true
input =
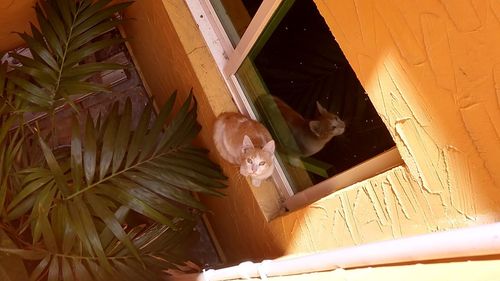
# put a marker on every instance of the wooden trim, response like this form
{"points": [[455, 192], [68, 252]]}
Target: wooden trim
{"points": [[255, 28], [138, 69], [240, 98], [370, 168], [228, 29], [212, 30], [219, 45]]}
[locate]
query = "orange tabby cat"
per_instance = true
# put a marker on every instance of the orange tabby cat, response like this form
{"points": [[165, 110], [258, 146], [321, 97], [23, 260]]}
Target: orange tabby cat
{"points": [[311, 135], [247, 143]]}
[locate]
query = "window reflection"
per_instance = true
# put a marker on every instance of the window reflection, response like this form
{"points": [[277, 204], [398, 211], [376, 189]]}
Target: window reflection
{"points": [[297, 70], [235, 16]]}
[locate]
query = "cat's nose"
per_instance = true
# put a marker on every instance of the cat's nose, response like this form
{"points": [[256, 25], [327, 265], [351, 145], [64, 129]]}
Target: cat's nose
{"points": [[340, 130], [254, 168]]}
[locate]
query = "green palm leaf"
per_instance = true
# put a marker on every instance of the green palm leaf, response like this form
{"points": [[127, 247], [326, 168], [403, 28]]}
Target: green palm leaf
{"points": [[119, 204], [158, 247], [10, 139], [11, 264], [152, 179], [55, 72], [79, 205]]}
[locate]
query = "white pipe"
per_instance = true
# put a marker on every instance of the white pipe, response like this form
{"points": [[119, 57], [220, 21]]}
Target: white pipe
{"points": [[466, 242]]}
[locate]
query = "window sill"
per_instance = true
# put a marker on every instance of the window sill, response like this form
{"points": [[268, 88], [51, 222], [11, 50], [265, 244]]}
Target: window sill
{"points": [[364, 171], [274, 203]]}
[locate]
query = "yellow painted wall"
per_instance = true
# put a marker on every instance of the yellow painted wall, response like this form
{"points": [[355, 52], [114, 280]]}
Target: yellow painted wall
{"points": [[432, 78], [431, 68]]}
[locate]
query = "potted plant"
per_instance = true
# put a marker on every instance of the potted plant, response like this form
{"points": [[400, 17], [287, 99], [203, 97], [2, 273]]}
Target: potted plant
{"points": [[67, 211]]}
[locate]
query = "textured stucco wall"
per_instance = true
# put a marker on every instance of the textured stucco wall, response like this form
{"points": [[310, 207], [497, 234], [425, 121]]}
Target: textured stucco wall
{"points": [[430, 68]]}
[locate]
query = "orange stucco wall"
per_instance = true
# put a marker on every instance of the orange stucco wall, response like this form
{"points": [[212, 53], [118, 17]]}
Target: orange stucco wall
{"points": [[430, 69]]}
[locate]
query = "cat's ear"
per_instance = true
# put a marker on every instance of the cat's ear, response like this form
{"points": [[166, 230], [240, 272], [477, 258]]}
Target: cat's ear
{"points": [[269, 147], [314, 126], [321, 109], [247, 144]]}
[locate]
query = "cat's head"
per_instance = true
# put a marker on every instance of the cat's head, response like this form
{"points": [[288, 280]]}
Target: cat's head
{"points": [[256, 161], [327, 125]]}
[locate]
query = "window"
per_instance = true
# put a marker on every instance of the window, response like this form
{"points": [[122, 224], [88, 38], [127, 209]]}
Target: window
{"points": [[235, 16], [281, 61]]}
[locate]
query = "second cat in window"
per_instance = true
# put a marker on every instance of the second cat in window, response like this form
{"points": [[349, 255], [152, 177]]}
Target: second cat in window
{"points": [[311, 135]]}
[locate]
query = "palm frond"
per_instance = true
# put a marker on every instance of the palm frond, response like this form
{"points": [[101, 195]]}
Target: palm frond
{"points": [[118, 204], [158, 248], [12, 267], [67, 35], [146, 169], [78, 205], [10, 140]]}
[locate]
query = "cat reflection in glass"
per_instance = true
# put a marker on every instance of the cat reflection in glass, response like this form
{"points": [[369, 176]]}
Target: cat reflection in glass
{"points": [[311, 135], [246, 143]]}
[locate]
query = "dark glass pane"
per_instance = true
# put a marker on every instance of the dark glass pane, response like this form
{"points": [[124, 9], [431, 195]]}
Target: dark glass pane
{"points": [[235, 16], [298, 60]]}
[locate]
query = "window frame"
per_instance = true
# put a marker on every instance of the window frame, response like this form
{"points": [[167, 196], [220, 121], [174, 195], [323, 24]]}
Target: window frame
{"points": [[229, 59]]}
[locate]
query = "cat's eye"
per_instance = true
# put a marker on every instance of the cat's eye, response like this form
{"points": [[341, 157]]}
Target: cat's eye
{"points": [[262, 163], [249, 161]]}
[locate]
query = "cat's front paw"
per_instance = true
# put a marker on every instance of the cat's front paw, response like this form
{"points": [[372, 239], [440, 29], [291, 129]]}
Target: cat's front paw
{"points": [[256, 182]]}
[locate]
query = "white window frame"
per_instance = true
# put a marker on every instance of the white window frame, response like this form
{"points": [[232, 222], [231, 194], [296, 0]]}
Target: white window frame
{"points": [[229, 59]]}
